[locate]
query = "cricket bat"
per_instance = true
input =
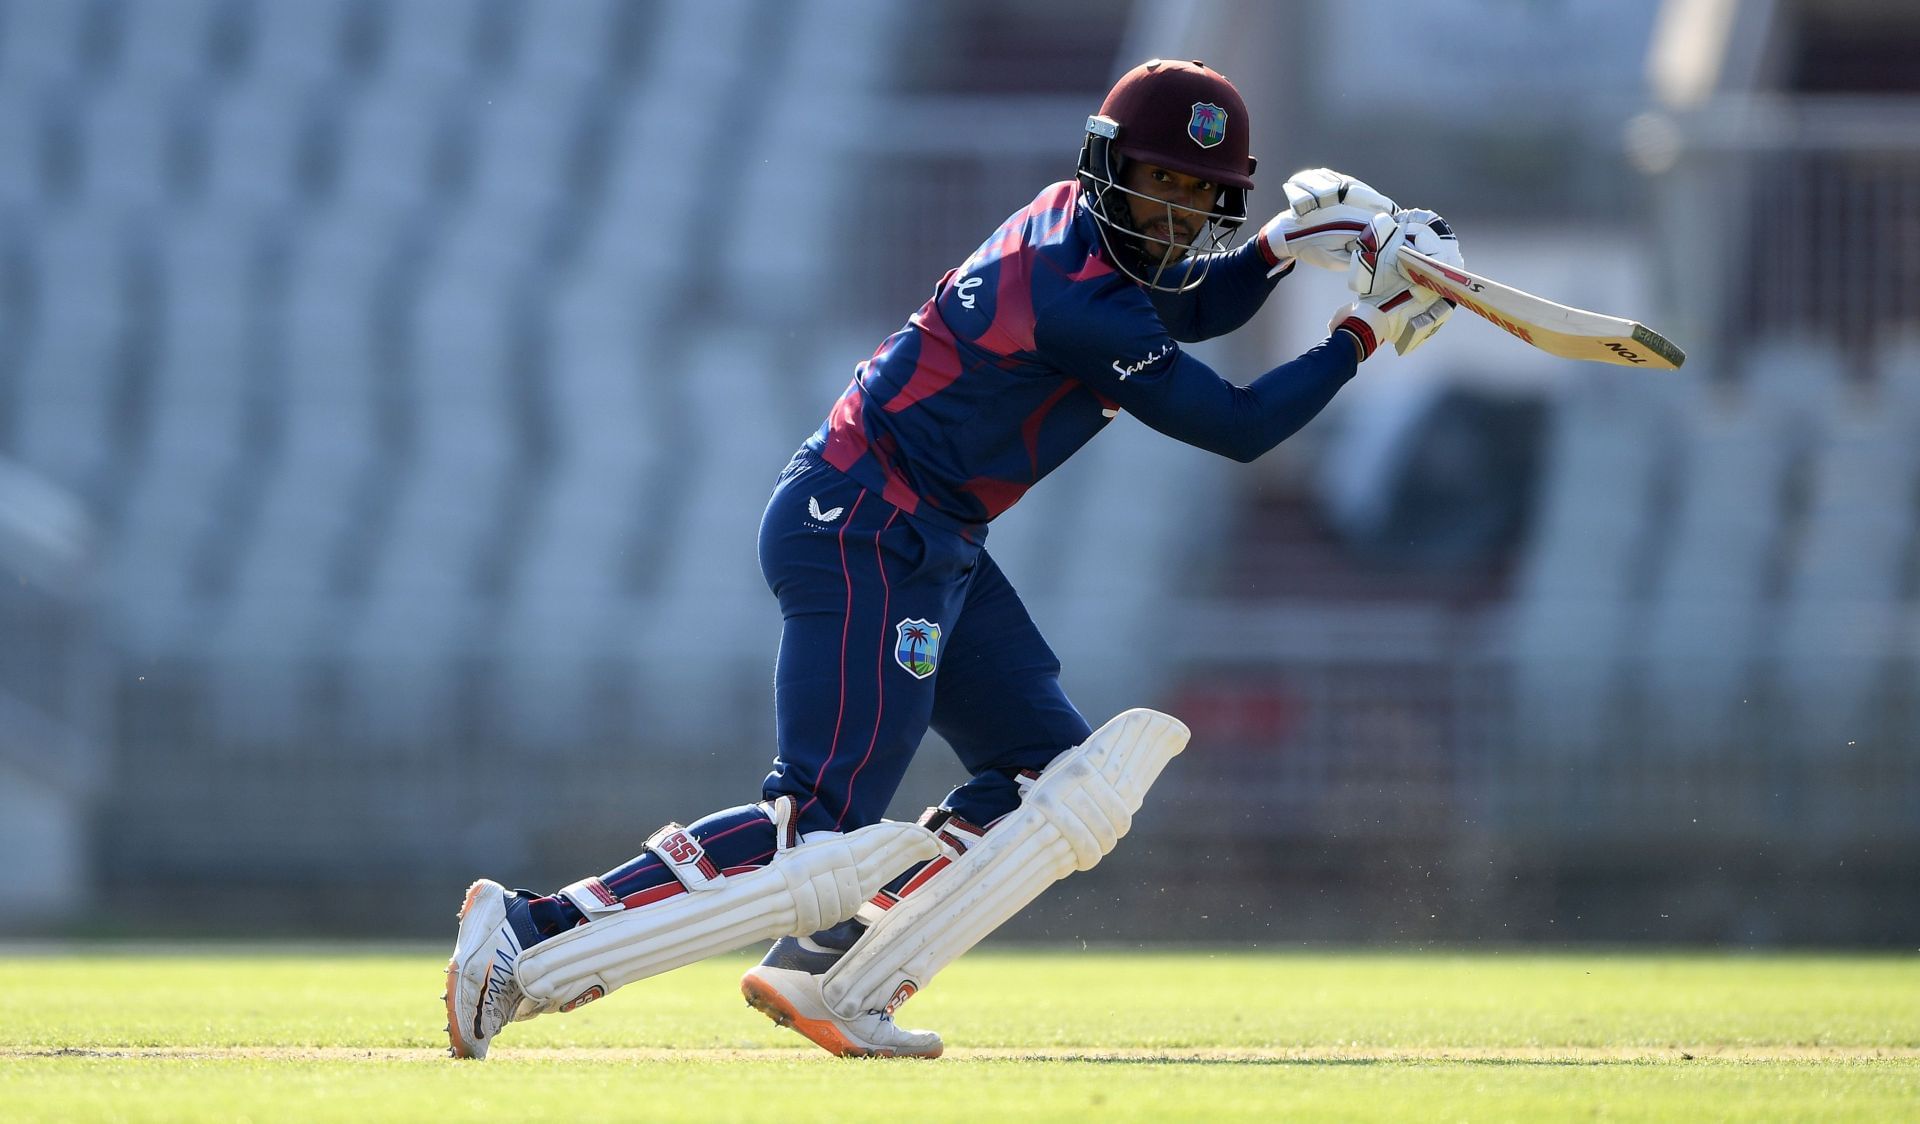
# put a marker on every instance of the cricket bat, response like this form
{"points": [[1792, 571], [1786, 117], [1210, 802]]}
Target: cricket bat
{"points": [[1553, 328]]}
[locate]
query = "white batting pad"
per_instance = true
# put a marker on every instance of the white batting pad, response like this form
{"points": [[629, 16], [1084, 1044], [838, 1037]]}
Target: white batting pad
{"points": [[802, 890], [1072, 816]]}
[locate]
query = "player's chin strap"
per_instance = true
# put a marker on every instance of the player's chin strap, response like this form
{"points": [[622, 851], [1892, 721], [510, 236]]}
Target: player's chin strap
{"points": [[805, 887], [1071, 818]]}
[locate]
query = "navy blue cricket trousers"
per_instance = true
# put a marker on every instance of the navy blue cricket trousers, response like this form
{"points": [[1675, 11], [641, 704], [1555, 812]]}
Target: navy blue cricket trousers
{"points": [[892, 627]]}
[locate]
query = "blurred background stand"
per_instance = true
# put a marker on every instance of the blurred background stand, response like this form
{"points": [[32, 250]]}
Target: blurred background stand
{"points": [[53, 736], [392, 388]]}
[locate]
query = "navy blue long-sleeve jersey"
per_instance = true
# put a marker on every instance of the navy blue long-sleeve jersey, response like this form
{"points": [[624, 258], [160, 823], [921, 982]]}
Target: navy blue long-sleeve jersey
{"points": [[1032, 346]]}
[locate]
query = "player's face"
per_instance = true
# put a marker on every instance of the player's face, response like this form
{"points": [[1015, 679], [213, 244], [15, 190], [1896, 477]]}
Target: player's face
{"points": [[1175, 205]]}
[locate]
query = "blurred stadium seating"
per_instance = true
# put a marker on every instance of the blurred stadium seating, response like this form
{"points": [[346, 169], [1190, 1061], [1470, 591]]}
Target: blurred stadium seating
{"points": [[416, 370]]}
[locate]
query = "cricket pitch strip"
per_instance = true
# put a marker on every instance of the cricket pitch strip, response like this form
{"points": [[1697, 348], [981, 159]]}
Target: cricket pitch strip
{"points": [[1200, 1055]]}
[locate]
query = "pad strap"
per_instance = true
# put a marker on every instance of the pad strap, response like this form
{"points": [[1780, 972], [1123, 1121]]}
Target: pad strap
{"points": [[685, 857], [955, 836], [784, 812], [592, 898]]}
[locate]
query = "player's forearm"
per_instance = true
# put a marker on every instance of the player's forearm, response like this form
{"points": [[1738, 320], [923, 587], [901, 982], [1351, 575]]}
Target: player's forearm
{"points": [[1201, 409], [1234, 290]]}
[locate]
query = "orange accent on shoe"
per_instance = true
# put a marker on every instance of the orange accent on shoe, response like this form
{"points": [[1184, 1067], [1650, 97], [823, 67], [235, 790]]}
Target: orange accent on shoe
{"points": [[459, 1046], [821, 1033]]}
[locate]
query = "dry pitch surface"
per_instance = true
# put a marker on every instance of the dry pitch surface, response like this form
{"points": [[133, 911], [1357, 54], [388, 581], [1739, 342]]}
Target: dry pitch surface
{"points": [[281, 1033]]}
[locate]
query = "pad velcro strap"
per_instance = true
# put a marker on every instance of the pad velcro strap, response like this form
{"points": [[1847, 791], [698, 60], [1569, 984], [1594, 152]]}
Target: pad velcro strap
{"points": [[876, 907], [955, 836], [786, 823], [591, 897], [684, 856]]}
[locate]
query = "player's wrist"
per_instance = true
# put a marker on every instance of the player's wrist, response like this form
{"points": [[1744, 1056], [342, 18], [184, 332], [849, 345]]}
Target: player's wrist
{"points": [[1271, 244], [1362, 323]]}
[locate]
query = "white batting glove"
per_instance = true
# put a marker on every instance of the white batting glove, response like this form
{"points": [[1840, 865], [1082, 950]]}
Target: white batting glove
{"points": [[1325, 212], [1375, 274]]}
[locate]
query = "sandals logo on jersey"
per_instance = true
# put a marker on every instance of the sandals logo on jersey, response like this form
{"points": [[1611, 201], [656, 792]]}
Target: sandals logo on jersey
{"points": [[1128, 370], [918, 647], [1208, 125]]}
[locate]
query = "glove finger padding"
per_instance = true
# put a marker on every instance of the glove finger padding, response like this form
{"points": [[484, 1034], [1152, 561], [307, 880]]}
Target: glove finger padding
{"points": [[1326, 211], [1432, 235], [1322, 239], [1399, 320], [1311, 189], [1421, 326], [1375, 270], [1371, 272], [1375, 273]]}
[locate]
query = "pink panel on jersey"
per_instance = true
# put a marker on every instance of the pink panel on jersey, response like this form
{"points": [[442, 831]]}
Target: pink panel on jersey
{"points": [[1030, 429], [1096, 266], [939, 361], [995, 495], [846, 436], [1013, 320], [1058, 197], [1012, 329], [847, 443], [1060, 221]]}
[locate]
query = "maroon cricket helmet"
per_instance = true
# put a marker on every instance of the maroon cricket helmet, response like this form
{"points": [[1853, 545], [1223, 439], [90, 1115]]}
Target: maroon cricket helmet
{"points": [[1183, 116]]}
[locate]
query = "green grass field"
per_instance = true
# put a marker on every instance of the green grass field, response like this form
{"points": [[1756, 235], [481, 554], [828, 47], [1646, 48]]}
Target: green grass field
{"points": [[283, 1033]]}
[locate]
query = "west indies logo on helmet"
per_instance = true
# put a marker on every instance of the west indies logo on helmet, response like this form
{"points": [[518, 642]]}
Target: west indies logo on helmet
{"points": [[1184, 117], [1208, 126]]}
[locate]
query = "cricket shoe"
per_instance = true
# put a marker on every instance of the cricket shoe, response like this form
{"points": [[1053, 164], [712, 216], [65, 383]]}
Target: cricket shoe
{"points": [[792, 997], [483, 990]]}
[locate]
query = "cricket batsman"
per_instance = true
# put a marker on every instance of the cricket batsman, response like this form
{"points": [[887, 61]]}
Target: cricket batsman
{"points": [[897, 620]]}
